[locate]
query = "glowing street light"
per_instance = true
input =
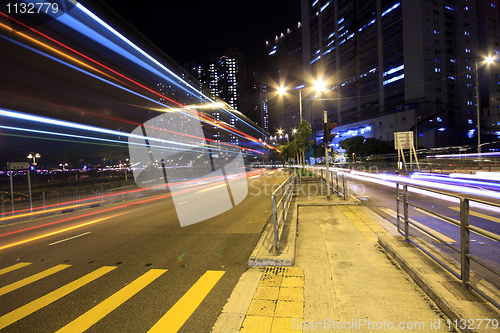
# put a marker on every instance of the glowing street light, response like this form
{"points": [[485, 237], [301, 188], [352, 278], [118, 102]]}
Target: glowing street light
{"points": [[319, 85], [487, 61], [34, 157]]}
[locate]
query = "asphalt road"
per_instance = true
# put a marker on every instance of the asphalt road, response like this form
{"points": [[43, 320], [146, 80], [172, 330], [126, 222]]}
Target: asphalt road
{"points": [[147, 265]]}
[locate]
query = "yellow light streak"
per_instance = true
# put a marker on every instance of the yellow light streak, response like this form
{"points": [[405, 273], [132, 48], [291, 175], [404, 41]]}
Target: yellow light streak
{"points": [[57, 232], [37, 213], [211, 188], [57, 51]]}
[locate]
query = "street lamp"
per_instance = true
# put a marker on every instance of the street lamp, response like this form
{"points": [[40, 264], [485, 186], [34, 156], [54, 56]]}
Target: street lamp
{"points": [[34, 157], [318, 85], [488, 60]]}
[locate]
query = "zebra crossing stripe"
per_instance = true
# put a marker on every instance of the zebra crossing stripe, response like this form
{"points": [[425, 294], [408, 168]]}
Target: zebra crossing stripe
{"points": [[31, 279], [14, 267], [98, 312], [53, 296], [173, 320]]}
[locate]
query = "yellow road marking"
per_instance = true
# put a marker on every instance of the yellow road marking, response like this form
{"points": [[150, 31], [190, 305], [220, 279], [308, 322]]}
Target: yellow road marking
{"points": [[14, 267], [53, 296], [30, 279], [431, 232], [173, 320], [483, 216], [98, 312]]}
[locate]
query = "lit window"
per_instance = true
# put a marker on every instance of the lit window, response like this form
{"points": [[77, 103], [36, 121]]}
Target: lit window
{"points": [[469, 121]]}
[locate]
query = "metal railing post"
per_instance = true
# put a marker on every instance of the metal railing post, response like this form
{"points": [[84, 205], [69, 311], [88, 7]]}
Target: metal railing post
{"points": [[275, 223], [343, 186], [397, 207], [405, 207], [465, 242], [337, 181]]}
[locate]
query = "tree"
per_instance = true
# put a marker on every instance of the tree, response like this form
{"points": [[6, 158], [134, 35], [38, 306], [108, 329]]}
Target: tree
{"points": [[302, 138], [362, 146]]}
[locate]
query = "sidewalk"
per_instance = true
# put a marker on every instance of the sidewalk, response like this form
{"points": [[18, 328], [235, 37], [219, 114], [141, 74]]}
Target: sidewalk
{"points": [[342, 278]]}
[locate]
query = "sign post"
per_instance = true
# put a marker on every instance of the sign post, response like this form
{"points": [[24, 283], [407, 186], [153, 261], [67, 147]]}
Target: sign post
{"points": [[404, 140], [18, 166]]}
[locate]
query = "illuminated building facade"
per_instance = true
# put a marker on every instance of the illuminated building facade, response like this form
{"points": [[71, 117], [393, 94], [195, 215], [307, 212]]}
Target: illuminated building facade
{"points": [[393, 65], [232, 79]]}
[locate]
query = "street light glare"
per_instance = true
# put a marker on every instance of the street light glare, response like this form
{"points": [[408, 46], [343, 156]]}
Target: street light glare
{"points": [[281, 90], [319, 85], [489, 60]]}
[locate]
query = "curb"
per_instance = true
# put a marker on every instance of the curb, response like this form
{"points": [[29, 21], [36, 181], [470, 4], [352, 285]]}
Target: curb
{"points": [[458, 304]]}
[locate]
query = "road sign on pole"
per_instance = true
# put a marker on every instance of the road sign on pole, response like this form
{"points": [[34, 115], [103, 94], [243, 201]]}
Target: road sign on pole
{"points": [[404, 140], [17, 165]]}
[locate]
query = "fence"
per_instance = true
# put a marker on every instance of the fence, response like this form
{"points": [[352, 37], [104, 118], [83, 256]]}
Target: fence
{"points": [[281, 199], [465, 229], [338, 180]]}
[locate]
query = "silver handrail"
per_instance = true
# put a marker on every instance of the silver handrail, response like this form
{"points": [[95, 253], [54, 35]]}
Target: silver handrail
{"points": [[465, 229], [281, 206]]}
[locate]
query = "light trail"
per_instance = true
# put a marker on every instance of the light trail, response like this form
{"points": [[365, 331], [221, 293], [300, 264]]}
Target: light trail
{"points": [[199, 115], [456, 180], [163, 186], [24, 241], [390, 181]]}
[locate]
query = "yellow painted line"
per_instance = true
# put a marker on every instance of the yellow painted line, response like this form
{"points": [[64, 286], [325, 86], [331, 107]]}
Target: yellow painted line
{"points": [[98, 312], [14, 267], [367, 227], [31, 279], [53, 296], [432, 232], [173, 320], [483, 216], [434, 216]]}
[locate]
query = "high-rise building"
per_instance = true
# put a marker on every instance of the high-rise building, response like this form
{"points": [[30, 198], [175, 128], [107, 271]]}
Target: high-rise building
{"points": [[403, 65], [231, 78], [285, 70]]}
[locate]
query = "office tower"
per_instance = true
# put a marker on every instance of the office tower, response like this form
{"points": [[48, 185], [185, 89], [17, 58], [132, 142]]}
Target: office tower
{"points": [[403, 65]]}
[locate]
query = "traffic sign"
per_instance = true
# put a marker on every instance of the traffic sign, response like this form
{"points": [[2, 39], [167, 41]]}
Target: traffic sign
{"points": [[17, 165]]}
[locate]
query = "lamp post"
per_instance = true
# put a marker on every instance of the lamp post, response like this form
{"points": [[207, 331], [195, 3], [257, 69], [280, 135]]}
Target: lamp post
{"points": [[34, 157], [318, 86], [488, 60]]}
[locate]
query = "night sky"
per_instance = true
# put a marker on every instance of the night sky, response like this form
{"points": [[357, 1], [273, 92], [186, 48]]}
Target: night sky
{"points": [[194, 30]]}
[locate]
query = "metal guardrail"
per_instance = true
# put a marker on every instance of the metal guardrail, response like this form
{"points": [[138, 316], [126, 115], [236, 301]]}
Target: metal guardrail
{"points": [[465, 229], [338, 181], [281, 199]]}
